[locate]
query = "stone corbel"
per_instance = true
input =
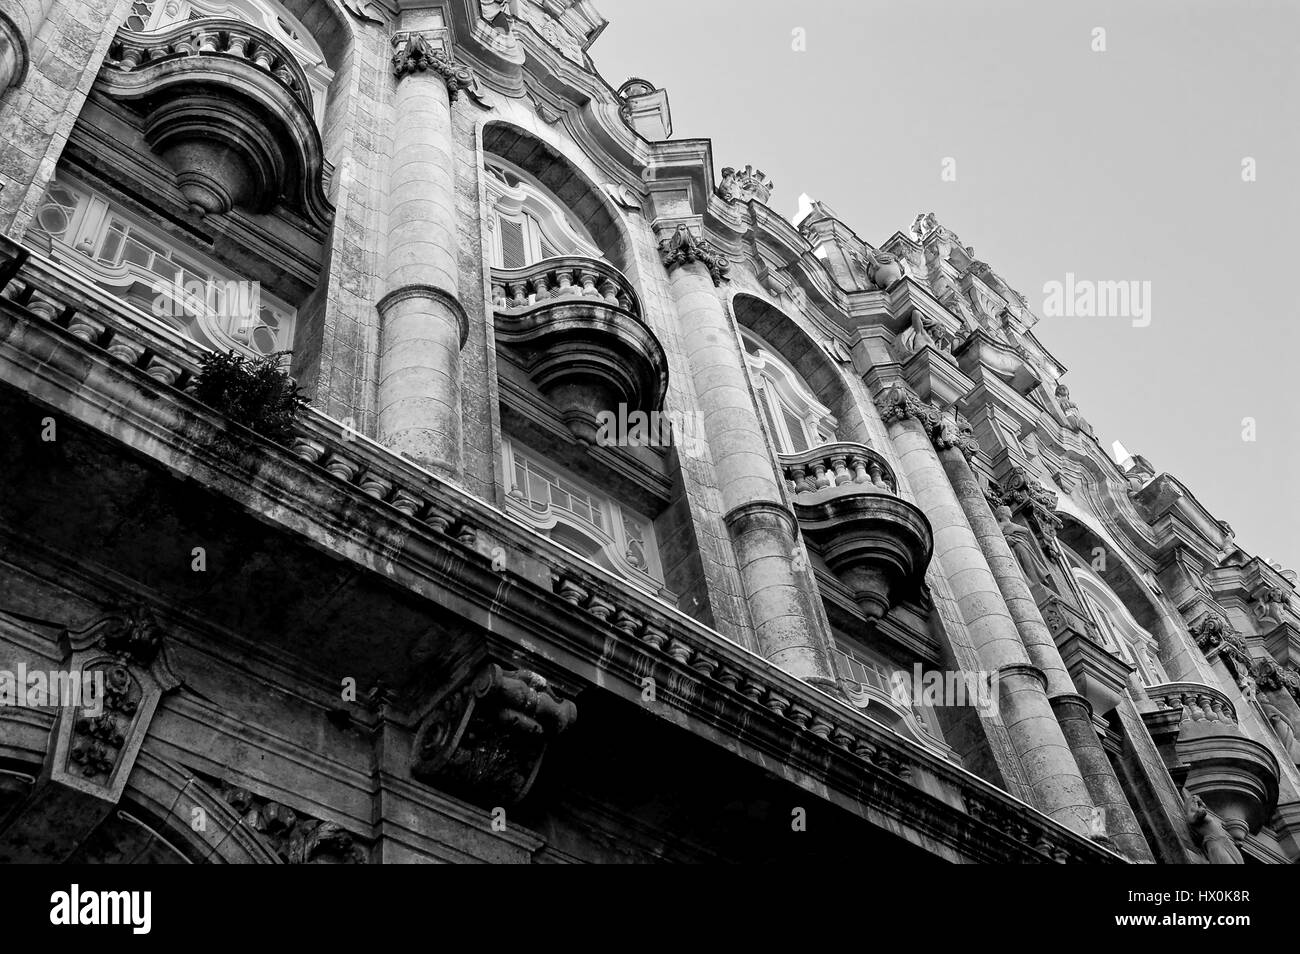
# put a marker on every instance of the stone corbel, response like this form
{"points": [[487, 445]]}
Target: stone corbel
{"points": [[121, 670], [486, 738]]}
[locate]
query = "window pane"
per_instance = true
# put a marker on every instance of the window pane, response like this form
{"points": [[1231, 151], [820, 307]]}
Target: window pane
{"points": [[512, 244], [798, 439]]}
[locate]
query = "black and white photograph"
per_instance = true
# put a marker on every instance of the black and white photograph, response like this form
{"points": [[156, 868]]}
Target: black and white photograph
{"points": [[843, 437]]}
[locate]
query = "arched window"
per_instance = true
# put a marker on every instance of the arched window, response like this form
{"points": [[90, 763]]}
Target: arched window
{"points": [[1120, 632], [797, 420], [81, 228], [151, 16], [529, 225], [581, 516]]}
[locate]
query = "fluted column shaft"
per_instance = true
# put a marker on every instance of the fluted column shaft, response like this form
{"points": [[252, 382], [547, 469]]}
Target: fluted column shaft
{"points": [[19, 22], [1049, 766], [1072, 711], [423, 323], [760, 525]]}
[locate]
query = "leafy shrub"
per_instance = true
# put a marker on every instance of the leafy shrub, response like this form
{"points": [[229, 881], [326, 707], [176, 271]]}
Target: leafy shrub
{"points": [[253, 392]]}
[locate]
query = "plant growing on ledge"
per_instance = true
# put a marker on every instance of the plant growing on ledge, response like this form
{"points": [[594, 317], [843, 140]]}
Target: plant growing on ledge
{"points": [[253, 392]]}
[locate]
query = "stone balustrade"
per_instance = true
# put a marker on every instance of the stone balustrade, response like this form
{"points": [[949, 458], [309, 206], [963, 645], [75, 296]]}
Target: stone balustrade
{"points": [[558, 279], [647, 631], [843, 465], [1199, 703], [212, 36]]}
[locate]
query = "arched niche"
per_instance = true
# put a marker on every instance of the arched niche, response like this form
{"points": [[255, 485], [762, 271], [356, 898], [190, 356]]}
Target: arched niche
{"points": [[579, 195], [1118, 574], [802, 353]]}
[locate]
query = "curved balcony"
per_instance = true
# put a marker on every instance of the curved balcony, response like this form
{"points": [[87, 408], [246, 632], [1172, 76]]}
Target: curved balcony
{"points": [[1196, 729], [575, 324], [875, 542], [228, 108], [843, 466]]}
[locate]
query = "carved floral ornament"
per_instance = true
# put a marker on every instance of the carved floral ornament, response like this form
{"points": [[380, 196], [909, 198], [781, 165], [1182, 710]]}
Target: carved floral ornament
{"points": [[1214, 635], [900, 403], [683, 248], [414, 53]]}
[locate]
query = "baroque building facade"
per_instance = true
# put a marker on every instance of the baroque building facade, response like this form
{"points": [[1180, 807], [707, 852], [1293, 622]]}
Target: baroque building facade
{"points": [[628, 521]]}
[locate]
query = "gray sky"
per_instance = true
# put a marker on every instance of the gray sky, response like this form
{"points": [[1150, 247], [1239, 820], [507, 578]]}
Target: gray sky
{"points": [[1116, 165]]}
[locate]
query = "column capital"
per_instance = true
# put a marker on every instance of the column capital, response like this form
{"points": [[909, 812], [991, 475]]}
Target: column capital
{"points": [[415, 52], [683, 248], [900, 403]]}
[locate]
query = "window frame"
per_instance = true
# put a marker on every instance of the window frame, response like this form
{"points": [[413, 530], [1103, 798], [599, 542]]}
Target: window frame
{"points": [[94, 218], [541, 216], [611, 541], [781, 390], [1121, 634]]}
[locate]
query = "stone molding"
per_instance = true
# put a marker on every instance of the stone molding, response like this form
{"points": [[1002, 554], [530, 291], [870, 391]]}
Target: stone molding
{"points": [[431, 292]]}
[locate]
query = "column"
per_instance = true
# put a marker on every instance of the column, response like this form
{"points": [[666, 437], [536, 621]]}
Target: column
{"points": [[1049, 765], [19, 21], [423, 325], [1072, 710], [787, 624]]}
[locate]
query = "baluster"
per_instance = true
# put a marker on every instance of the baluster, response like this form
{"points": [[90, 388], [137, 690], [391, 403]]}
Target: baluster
{"points": [[819, 473], [842, 475], [624, 300], [877, 473], [185, 45], [609, 291], [238, 44], [588, 279], [564, 278], [131, 56], [802, 485], [263, 56], [518, 293], [859, 464], [498, 294], [542, 286], [208, 40]]}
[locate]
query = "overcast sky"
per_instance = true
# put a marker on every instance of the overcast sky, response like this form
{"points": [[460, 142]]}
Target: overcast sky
{"points": [[1122, 165]]}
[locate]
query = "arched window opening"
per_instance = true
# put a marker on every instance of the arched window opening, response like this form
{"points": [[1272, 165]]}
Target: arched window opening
{"points": [[81, 228], [527, 223], [1120, 632], [580, 516], [797, 420], [151, 16]]}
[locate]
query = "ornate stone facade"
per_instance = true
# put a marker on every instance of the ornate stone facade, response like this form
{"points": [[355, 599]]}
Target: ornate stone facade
{"points": [[618, 494]]}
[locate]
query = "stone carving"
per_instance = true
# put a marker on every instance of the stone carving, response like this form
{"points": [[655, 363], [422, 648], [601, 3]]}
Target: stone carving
{"points": [[298, 839], [1214, 634], [1071, 411], [1271, 605], [745, 184], [1284, 731], [900, 403], [415, 54], [926, 330], [1211, 837], [130, 633], [882, 269], [623, 194], [361, 10], [683, 248], [486, 739], [923, 225], [1021, 541], [1023, 490]]}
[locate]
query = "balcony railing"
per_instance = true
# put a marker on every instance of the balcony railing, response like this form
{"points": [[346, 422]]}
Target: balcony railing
{"points": [[213, 36], [843, 465], [1199, 702], [569, 278]]}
